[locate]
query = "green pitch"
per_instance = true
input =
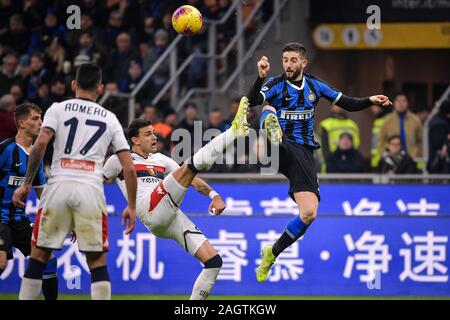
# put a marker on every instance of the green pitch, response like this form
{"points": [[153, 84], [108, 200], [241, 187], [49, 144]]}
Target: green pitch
{"points": [[182, 297]]}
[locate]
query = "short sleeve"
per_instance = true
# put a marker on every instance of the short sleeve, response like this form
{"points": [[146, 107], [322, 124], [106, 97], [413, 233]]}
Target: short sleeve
{"points": [[112, 168], [51, 117], [270, 89], [39, 179], [119, 142], [327, 91], [170, 165]]}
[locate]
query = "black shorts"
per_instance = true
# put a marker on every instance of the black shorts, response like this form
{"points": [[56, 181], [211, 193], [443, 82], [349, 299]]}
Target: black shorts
{"points": [[297, 164], [17, 235]]}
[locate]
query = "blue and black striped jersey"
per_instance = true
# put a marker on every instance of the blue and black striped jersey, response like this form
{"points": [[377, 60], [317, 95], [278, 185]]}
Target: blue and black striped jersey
{"points": [[13, 167], [295, 104]]}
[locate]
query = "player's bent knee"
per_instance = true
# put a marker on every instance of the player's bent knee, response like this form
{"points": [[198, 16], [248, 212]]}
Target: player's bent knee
{"points": [[308, 215], [214, 262]]}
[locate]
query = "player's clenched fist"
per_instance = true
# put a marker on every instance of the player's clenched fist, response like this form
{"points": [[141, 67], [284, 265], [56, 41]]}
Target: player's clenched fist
{"points": [[263, 67], [380, 100], [217, 205]]}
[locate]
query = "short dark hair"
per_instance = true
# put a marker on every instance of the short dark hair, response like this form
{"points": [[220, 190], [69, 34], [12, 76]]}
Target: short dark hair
{"points": [[190, 104], [23, 110], [135, 125], [89, 76], [395, 136], [295, 46], [397, 94]]}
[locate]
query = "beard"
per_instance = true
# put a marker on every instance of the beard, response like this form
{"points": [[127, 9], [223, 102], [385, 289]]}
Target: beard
{"points": [[295, 74]]}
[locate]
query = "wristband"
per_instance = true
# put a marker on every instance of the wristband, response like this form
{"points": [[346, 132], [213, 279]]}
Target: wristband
{"points": [[212, 194]]}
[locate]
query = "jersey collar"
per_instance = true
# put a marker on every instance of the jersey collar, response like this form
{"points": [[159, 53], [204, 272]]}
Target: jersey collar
{"points": [[140, 155], [297, 87]]}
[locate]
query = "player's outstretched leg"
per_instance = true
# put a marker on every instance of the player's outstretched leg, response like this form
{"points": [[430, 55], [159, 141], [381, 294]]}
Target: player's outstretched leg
{"points": [[212, 263], [207, 155], [269, 123], [307, 203], [31, 285]]}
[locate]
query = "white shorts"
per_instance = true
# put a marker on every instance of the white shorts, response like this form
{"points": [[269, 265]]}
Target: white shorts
{"points": [[161, 214], [67, 206]]}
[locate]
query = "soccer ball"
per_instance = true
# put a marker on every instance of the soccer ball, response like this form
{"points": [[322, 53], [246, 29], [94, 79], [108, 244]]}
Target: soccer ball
{"points": [[187, 20]]}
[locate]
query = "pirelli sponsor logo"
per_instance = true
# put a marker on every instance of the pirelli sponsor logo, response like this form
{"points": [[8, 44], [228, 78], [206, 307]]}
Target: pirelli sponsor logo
{"points": [[82, 165], [15, 181], [296, 115]]}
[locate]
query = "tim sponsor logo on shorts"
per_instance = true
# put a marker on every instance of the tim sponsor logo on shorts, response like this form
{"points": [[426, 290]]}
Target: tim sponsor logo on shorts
{"points": [[15, 181], [253, 150], [82, 165], [296, 115]]}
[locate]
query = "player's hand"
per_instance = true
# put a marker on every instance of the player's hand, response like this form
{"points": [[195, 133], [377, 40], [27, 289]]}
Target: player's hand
{"points": [[73, 238], [380, 100], [217, 205], [20, 195], [130, 215], [263, 67]]}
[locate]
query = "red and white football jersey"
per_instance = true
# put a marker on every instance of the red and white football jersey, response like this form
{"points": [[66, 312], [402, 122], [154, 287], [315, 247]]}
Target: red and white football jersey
{"points": [[84, 130], [150, 171]]}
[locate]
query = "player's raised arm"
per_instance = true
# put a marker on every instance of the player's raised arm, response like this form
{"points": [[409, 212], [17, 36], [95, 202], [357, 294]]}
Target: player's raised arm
{"points": [[34, 161], [358, 104], [349, 103], [131, 184], [217, 205], [254, 96]]}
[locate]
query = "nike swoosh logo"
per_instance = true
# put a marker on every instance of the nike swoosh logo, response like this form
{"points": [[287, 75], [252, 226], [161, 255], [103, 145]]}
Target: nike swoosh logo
{"points": [[287, 99], [18, 165]]}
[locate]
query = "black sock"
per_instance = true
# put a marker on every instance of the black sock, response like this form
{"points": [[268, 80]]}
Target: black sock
{"points": [[1, 271], [99, 274], [50, 288], [282, 243], [214, 262], [35, 269]]}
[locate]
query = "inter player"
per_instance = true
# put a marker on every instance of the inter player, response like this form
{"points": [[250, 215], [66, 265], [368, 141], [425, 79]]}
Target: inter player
{"points": [[162, 185], [288, 121], [73, 198], [15, 226]]}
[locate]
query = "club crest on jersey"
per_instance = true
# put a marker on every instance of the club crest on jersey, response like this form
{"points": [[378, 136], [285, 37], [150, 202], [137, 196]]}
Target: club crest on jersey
{"points": [[311, 97], [151, 170]]}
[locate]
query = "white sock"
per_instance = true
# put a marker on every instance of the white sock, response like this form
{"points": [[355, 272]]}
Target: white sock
{"points": [[101, 290], [207, 155], [204, 284], [30, 289]]}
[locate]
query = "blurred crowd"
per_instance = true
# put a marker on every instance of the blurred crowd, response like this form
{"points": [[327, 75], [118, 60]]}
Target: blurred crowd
{"points": [[396, 144], [39, 56]]}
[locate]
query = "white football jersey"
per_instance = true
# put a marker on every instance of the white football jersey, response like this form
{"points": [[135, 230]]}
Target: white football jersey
{"points": [[84, 130], [150, 171]]}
